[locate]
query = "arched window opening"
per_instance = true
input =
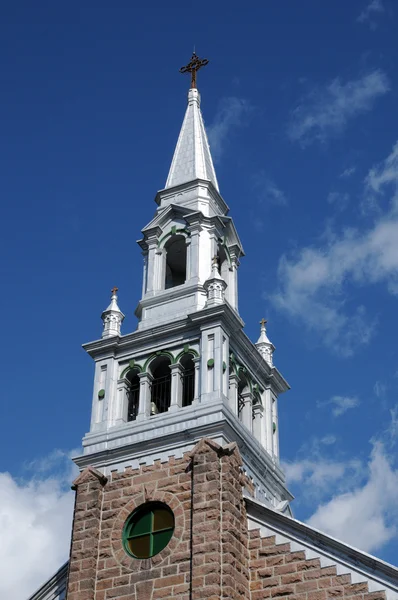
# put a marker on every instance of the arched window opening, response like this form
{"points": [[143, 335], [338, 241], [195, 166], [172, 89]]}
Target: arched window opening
{"points": [[161, 385], [222, 260], [243, 387], [176, 261], [188, 379], [133, 394]]}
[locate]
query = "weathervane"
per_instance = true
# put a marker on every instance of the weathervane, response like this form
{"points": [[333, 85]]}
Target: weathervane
{"points": [[193, 67]]}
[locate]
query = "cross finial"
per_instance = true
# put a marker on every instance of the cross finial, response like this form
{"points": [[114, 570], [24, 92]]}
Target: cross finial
{"points": [[114, 290], [263, 322], [193, 67]]}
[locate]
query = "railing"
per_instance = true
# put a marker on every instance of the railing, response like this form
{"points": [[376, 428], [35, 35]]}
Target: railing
{"points": [[188, 387], [134, 397], [241, 404], [161, 393]]}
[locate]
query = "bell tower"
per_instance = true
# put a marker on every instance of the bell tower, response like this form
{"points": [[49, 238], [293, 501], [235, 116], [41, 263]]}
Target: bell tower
{"points": [[189, 371]]}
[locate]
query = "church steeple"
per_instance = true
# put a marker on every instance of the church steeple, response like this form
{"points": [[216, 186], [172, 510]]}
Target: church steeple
{"points": [[192, 159], [188, 371]]}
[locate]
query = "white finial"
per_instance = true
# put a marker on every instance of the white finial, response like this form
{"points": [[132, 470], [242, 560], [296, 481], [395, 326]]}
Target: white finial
{"points": [[264, 345], [112, 317], [215, 286]]}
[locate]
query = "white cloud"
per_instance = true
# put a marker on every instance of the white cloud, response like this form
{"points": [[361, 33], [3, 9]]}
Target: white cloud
{"points": [[36, 518], [367, 515], [326, 111], [341, 404], [393, 427], [267, 191], [232, 113], [382, 178], [314, 283], [348, 172], [370, 11], [339, 199], [379, 389]]}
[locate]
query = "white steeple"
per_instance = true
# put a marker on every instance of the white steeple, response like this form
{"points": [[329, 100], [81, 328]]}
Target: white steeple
{"points": [[112, 317], [264, 345], [192, 159]]}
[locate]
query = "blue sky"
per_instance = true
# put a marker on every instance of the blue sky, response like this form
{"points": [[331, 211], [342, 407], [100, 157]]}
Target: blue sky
{"points": [[300, 102]]}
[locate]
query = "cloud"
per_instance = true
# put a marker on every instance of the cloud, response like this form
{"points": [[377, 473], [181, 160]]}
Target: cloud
{"points": [[232, 113], [36, 519], [348, 172], [267, 191], [340, 404], [382, 178], [339, 199], [326, 111], [393, 427], [367, 515], [375, 7], [315, 283], [318, 476], [379, 389]]}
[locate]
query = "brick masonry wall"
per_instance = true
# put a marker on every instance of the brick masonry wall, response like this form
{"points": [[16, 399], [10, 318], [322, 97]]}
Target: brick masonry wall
{"points": [[209, 563], [277, 572]]}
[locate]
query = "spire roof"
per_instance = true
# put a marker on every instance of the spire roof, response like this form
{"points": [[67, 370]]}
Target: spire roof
{"points": [[192, 159], [112, 317]]}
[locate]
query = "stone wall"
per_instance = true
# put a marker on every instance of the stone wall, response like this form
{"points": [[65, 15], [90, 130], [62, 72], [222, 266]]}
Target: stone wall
{"points": [[277, 572], [208, 562]]}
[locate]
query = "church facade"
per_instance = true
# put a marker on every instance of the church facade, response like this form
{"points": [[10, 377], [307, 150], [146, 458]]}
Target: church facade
{"points": [[181, 494]]}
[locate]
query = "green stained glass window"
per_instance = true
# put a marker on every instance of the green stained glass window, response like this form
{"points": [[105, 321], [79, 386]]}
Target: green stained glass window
{"points": [[148, 530]]}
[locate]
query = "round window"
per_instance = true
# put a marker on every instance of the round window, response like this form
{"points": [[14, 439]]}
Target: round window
{"points": [[148, 530]]}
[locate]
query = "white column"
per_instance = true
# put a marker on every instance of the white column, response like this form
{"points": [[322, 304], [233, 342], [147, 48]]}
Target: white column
{"points": [[233, 283], [151, 267], [144, 406], [193, 262], [258, 423], [275, 431], [233, 392], [196, 395], [268, 421], [247, 415], [176, 387], [122, 398], [145, 274]]}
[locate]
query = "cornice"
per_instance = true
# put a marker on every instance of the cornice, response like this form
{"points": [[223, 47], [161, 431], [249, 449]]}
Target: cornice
{"points": [[219, 420], [171, 191]]}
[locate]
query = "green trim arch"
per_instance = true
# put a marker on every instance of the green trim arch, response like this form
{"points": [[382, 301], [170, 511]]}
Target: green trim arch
{"points": [[247, 375], [131, 367], [186, 351], [156, 355], [174, 231]]}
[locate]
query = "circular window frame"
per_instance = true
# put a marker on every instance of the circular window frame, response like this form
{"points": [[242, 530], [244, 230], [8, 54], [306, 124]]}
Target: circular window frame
{"points": [[149, 532]]}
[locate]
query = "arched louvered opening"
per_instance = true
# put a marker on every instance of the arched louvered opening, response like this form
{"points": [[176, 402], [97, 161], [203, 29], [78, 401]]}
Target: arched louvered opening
{"points": [[161, 385], [133, 394], [176, 261], [188, 379], [243, 388]]}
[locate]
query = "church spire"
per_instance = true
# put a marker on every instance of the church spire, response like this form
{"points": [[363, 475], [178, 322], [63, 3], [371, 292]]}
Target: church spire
{"points": [[192, 159], [264, 345], [112, 317]]}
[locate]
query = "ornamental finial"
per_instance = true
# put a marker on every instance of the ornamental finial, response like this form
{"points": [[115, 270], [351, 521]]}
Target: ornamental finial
{"points": [[193, 67], [114, 290]]}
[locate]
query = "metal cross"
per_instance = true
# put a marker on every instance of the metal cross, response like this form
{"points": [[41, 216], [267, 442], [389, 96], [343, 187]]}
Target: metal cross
{"points": [[193, 67], [114, 290], [263, 322]]}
